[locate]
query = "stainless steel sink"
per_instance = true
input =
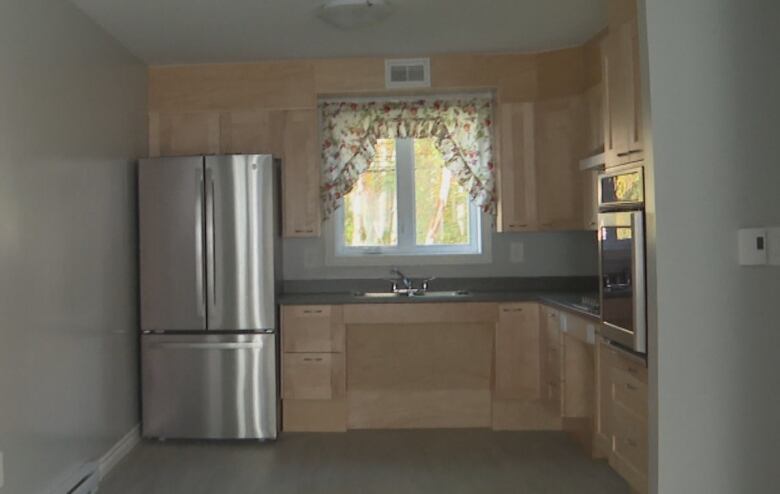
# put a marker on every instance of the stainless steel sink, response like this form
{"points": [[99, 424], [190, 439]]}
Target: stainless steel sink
{"points": [[428, 294], [379, 294], [443, 294]]}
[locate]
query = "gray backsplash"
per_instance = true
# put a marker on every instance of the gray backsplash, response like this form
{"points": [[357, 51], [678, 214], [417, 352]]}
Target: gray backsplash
{"points": [[546, 254]]}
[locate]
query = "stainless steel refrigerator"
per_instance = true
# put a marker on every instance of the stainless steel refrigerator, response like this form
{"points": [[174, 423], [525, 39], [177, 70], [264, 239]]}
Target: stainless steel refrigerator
{"points": [[209, 264]]}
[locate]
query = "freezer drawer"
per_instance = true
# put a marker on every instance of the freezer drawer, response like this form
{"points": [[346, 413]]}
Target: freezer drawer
{"points": [[209, 386]]}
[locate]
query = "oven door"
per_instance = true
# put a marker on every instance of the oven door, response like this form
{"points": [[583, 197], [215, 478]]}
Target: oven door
{"points": [[622, 284]]}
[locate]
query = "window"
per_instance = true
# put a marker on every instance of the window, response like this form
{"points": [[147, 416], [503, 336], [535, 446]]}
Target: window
{"points": [[407, 203]]}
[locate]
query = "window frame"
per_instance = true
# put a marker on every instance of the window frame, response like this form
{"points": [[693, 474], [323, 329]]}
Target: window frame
{"points": [[407, 250]]}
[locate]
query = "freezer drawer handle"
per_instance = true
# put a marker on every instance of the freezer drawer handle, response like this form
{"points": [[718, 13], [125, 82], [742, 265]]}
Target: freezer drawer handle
{"points": [[208, 346]]}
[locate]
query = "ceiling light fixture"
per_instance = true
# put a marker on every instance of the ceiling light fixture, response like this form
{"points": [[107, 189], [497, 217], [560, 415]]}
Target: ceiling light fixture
{"points": [[352, 14]]}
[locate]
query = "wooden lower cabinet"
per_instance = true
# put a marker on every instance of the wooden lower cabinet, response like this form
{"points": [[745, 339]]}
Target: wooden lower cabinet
{"points": [[517, 362], [314, 384], [508, 366], [621, 420], [517, 393], [550, 352]]}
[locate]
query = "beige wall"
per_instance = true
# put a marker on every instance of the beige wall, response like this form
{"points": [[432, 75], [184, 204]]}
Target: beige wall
{"points": [[714, 103], [72, 105]]}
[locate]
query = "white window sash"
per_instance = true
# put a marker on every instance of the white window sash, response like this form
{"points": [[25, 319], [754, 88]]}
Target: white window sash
{"points": [[407, 242]]}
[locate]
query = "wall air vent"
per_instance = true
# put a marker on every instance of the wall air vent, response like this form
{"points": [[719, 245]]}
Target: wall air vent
{"points": [[407, 73]]}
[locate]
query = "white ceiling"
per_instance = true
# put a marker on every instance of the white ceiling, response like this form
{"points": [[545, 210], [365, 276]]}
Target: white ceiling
{"points": [[206, 31]]}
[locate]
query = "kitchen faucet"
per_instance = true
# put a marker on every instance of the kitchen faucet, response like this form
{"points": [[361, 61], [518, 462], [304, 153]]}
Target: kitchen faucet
{"points": [[402, 278], [408, 284]]}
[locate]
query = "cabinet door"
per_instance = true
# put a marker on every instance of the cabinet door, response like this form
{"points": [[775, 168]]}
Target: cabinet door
{"points": [[301, 174], [183, 134], [594, 121], [615, 94], [312, 328], [558, 134], [635, 137], [517, 176], [590, 199], [578, 377], [623, 113], [252, 132], [550, 351], [313, 376], [517, 352], [603, 431]]}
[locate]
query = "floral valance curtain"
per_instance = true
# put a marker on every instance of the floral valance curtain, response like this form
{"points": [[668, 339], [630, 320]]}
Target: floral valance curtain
{"points": [[461, 130]]}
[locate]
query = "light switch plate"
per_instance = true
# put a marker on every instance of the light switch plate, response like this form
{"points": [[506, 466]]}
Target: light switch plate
{"points": [[752, 246], [516, 252]]}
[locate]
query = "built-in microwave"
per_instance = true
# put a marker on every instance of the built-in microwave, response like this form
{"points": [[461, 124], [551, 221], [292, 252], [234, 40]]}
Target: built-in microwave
{"points": [[622, 268]]}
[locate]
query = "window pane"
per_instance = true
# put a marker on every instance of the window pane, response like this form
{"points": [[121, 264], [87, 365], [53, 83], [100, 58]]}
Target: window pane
{"points": [[442, 204], [370, 218]]}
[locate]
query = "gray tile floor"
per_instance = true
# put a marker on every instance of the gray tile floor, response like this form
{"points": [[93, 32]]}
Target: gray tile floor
{"points": [[368, 462]]}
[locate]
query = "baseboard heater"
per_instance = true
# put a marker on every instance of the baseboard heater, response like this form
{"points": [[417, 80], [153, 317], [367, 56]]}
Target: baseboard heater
{"points": [[87, 480]]}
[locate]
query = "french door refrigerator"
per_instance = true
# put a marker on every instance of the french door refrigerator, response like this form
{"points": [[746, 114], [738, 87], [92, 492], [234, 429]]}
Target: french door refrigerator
{"points": [[209, 262]]}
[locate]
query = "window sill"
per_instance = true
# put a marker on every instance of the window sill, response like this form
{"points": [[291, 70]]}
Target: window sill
{"points": [[407, 260]]}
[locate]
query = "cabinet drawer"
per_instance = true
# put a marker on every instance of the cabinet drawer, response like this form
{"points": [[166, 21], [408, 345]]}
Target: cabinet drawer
{"points": [[312, 328], [629, 392], [307, 376], [629, 447], [629, 364]]}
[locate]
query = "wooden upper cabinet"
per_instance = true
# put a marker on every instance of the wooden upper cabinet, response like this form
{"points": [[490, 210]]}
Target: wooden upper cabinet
{"points": [[301, 174], [183, 134], [594, 120], [590, 199], [517, 362], [559, 129], [252, 132], [623, 141], [516, 168]]}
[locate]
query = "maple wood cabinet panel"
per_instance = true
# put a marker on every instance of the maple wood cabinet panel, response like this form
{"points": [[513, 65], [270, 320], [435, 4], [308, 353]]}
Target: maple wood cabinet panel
{"points": [[516, 168], [314, 381], [301, 174], [621, 414], [623, 139], [590, 199], [558, 135], [517, 362]]}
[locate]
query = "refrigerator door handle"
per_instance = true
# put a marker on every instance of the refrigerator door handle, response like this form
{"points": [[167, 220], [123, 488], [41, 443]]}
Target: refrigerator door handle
{"points": [[207, 346], [211, 238], [201, 296]]}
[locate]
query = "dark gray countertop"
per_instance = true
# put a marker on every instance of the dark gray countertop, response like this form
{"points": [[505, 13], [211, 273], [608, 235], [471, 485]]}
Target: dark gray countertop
{"points": [[563, 300]]}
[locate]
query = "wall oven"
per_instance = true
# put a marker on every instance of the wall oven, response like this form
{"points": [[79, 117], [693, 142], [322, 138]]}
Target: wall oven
{"points": [[622, 258]]}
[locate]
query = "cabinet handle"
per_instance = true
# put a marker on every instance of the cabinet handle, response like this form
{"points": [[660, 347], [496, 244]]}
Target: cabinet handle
{"points": [[311, 311], [524, 225], [298, 230], [309, 359], [511, 310]]}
